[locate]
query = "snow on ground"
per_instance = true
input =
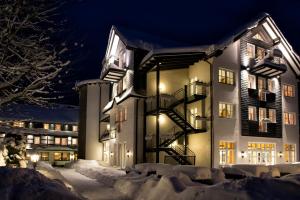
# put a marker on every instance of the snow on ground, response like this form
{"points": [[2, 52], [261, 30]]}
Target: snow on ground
{"points": [[29, 184], [90, 188]]}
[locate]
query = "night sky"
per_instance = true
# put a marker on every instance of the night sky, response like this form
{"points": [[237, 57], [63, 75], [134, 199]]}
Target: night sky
{"points": [[196, 22]]}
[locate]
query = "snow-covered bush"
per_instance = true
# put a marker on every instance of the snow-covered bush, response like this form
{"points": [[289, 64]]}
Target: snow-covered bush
{"points": [[14, 150]]}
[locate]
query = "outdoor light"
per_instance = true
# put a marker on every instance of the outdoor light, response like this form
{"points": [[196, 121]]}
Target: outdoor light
{"points": [[162, 87], [34, 159], [128, 154], [161, 119], [280, 154], [72, 156], [248, 68], [111, 154], [242, 154]]}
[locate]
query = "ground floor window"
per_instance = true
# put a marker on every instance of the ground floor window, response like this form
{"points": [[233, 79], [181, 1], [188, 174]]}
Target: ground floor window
{"points": [[261, 153], [226, 152], [61, 156], [105, 151], [289, 153], [44, 156]]}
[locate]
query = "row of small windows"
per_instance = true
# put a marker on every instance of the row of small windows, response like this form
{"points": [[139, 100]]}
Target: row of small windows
{"points": [[57, 156], [226, 110], [257, 153], [227, 77], [64, 141], [47, 126]]}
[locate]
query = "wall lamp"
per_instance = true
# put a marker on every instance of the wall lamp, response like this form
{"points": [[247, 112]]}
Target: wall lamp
{"points": [[242, 154], [280, 154], [128, 154]]}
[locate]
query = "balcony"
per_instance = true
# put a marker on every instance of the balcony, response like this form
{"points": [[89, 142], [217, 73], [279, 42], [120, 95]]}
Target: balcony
{"points": [[114, 69], [271, 66]]}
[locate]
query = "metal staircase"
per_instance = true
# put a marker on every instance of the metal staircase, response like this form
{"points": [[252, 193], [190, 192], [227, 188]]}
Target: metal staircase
{"points": [[167, 104]]}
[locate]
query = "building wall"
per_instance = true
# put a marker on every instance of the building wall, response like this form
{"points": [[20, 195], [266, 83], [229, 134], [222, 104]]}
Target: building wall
{"points": [[223, 128]]}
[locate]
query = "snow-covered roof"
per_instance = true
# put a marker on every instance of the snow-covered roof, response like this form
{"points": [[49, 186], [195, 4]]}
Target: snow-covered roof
{"points": [[146, 41], [89, 81], [57, 113]]}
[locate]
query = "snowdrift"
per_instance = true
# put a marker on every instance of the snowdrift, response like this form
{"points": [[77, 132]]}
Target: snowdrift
{"points": [[29, 184]]}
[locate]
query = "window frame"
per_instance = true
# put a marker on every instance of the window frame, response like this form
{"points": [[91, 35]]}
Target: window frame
{"points": [[226, 77], [249, 81], [286, 93], [255, 113], [286, 118], [231, 111]]}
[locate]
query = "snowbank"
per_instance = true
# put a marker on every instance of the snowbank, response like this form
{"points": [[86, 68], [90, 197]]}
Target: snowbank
{"points": [[255, 170], [194, 172], [288, 168], [29, 184]]}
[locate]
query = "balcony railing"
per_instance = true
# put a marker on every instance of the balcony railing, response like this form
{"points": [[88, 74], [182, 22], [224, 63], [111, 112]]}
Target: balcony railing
{"points": [[114, 69]]}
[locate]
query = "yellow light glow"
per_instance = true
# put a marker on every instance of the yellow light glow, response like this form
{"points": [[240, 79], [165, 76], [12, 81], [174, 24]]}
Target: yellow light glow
{"points": [[162, 87], [161, 119]]}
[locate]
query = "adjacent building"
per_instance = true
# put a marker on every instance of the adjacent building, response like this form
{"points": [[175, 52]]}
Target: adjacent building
{"points": [[234, 102], [50, 131]]}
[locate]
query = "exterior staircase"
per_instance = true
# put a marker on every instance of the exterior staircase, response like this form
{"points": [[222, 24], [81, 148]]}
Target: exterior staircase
{"points": [[167, 105]]}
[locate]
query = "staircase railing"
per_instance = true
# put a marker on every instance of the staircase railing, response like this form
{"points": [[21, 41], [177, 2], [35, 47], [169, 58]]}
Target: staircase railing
{"points": [[185, 158]]}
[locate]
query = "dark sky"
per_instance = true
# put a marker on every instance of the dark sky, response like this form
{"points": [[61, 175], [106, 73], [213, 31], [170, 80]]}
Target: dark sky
{"points": [[197, 22]]}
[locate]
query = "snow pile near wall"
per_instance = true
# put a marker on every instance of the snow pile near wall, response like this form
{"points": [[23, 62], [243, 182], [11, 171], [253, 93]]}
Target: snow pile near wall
{"points": [[91, 169], [29, 184], [140, 186], [288, 168], [255, 170]]}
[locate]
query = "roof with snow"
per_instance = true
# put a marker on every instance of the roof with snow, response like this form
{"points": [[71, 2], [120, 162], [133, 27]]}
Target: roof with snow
{"points": [[57, 113]]}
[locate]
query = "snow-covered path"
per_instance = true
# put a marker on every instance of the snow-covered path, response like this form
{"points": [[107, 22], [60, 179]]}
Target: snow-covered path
{"points": [[89, 188]]}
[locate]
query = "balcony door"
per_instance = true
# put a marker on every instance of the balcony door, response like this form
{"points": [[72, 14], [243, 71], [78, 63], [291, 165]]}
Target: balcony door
{"points": [[262, 116]]}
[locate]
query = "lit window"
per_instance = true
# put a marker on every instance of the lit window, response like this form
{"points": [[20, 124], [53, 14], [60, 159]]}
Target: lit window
{"points": [[57, 141], [290, 118], [64, 141], [75, 128], [61, 156], [18, 124], [262, 123], [52, 126], [250, 50], [251, 81], [271, 85], [69, 140], [260, 53], [66, 127], [289, 153], [37, 140], [50, 139], [226, 152], [58, 127], [262, 89], [30, 139], [44, 156], [261, 153], [272, 115], [30, 125], [43, 139], [288, 90], [74, 141], [258, 37], [252, 113], [57, 156], [226, 76], [46, 126], [225, 110]]}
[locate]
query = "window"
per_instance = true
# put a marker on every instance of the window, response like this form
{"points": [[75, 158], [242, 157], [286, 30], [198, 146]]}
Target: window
{"points": [[58, 127], [30, 125], [250, 50], [262, 89], [262, 122], [226, 152], [261, 153], [120, 117], [64, 141], [225, 110], [74, 141], [258, 36], [30, 139], [50, 139], [260, 53], [37, 140], [289, 153], [46, 126], [290, 118], [271, 85], [66, 127], [61, 156], [288, 90], [57, 141], [226, 76], [43, 139], [69, 140], [252, 113], [251, 81], [18, 124], [74, 128], [272, 115], [52, 126], [120, 87], [44, 156]]}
